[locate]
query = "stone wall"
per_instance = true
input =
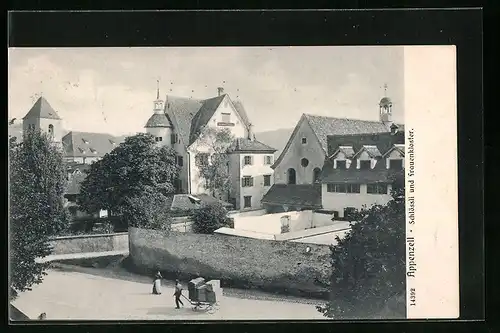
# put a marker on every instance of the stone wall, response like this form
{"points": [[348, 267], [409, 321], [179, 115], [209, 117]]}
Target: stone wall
{"points": [[282, 267], [90, 243]]}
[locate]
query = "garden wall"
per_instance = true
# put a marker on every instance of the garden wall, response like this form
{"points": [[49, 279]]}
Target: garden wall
{"points": [[90, 243], [281, 267]]}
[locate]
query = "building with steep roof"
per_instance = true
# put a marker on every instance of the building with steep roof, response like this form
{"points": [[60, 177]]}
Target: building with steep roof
{"points": [[364, 175], [43, 117], [250, 171], [88, 147], [178, 122]]}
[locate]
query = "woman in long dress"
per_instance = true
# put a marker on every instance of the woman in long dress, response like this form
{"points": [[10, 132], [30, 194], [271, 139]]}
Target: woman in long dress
{"points": [[157, 284]]}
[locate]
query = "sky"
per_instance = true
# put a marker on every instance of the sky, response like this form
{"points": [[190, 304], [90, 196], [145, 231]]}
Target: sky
{"points": [[111, 90]]}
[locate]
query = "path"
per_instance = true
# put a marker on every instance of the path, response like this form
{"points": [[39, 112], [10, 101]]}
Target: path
{"points": [[69, 295]]}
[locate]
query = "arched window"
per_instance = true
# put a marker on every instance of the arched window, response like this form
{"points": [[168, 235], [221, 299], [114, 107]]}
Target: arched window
{"points": [[291, 176], [316, 174], [51, 130], [304, 162]]}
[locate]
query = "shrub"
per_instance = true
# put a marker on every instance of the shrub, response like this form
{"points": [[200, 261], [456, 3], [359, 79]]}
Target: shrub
{"points": [[150, 210], [368, 265], [210, 218]]}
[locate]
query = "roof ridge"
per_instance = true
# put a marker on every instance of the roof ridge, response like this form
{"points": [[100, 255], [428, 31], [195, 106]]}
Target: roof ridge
{"points": [[341, 118]]}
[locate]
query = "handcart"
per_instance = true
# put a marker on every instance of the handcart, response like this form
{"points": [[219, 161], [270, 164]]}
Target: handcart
{"points": [[204, 296], [208, 307]]}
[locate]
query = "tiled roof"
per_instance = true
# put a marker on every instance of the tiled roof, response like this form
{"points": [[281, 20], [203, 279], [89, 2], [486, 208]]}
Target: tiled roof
{"points": [[372, 151], [246, 145], [16, 315], [42, 109], [382, 141], [323, 126], [190, 115], [158, 120], [183, 201], [202, 117], [347, 150], [87, 144], [183, 111], [294, 195], [379, 174]]}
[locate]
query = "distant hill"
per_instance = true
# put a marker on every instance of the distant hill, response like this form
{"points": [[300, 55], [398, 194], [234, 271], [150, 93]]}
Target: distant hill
{"points": [[276, 138]]}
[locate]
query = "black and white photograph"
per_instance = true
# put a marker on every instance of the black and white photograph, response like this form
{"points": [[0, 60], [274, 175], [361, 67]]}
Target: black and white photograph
{"points": [[228, 183]]}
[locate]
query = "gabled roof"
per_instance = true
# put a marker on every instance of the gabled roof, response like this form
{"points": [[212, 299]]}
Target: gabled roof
{"points": [[88, 144], [190, 115], [348, 151], [323, 126], [399, 147], [158, 120], [16, 315], [42, 109], [241, 145], [372, 151], [304, 195]]}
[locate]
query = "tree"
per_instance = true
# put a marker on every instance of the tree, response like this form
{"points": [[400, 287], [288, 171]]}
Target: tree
{"points": [[37, 180], [135, 167], [368, 265], [210, 218], [148, 210], [213, 160]]}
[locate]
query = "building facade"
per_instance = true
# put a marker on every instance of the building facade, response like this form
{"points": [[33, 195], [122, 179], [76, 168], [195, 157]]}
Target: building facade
{"points": [[360, 171], [251, 173]]}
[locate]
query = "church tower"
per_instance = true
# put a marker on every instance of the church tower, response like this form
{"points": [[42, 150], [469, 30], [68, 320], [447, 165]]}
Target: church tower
{"points": [[44, 118], [385, 108], [159, 125]]}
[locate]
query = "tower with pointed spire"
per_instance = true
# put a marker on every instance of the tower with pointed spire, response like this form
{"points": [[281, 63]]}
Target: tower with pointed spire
{"points": [[44, 118], [159, 125], [385, 109]]}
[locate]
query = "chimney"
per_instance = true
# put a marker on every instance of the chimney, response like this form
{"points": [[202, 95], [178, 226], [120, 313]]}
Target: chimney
{"points": [[237, 144], [220, 91], [251, 136]]}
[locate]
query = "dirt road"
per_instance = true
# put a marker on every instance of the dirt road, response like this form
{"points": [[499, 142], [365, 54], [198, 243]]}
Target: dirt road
{"points": [[77, 295]]}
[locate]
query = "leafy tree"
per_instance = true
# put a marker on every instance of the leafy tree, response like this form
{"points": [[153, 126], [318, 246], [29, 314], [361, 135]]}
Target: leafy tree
{"points": [[368, 265], [135, 167], [37, 180], [210, 218], [148, 210], [213, 161]]}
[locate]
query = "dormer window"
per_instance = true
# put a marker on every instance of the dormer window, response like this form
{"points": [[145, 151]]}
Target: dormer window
{"points": [[93, 151], [341, 164], [85, 141], [81, 150], [112, 142], [396, 164], [365, 164]]}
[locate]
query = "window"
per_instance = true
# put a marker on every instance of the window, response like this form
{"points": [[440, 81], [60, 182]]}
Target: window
{"points": [[267, 180], [376, 188], [31, 126], [304, 162], [396, 164], [365, 164], [173, 138], [85, 141], [304, 141], [226, 117], [93, 150], [201, 159], [156, 138], [291, 176], [341, 164], [112, 142], [247, 181], [180, 161], [51, 130], [316, 175], [343, 188], [160, 138], [247, 201], [247, 160], [268, 160]]}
